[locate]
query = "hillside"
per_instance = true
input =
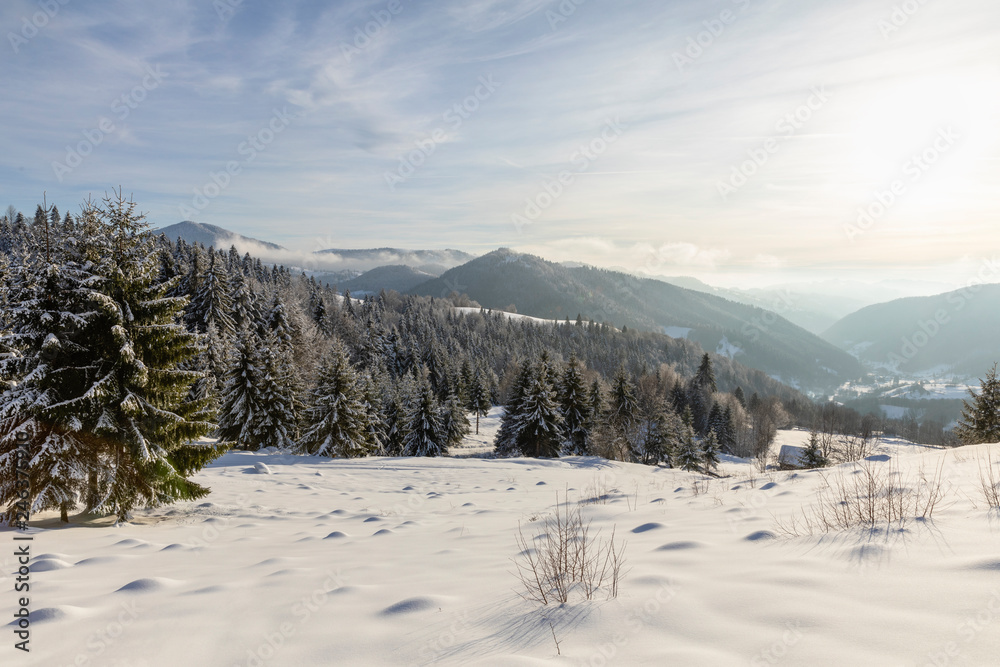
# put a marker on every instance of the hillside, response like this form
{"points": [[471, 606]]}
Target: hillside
{"points": [[210, 235], [388, 561], [396, 277], [434, 262], [950, 334], [805, 305], [752, 336]]}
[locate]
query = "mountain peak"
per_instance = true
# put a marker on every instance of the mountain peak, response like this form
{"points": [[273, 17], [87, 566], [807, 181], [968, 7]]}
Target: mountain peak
{"points": [[210, 235]]}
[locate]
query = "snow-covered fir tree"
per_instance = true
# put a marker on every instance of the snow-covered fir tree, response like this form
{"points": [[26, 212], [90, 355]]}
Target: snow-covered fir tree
{"points": [[424, 435], [980, 422], [479, 397], [40, 372], [710, 452], [454, 421], [336, 422], [575, 409], [276, 422], [212, 304], [241, 398], [540, 425], [813, 456], [124, 397], [505, 442], [689, 455]]}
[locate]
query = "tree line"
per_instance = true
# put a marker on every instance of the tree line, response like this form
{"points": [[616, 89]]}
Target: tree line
{"points": [[122, 353]]}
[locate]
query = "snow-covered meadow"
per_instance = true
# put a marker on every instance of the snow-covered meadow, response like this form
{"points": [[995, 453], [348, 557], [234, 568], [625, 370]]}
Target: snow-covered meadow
{"points": [[312, 561]]}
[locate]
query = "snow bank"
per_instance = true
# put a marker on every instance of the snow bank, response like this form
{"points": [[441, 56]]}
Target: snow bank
{"points": [[389, 561]]}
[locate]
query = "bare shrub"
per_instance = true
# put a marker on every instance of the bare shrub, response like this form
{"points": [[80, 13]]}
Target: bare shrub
{"points": [[869, 495], [564, 557], [597, 491], [989, 482], [850, 448]]}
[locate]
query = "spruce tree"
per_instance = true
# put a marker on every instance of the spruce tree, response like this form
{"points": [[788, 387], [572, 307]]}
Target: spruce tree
{"points": [[506, 440], [454, 422], [39, 373], [623, 417], [710, 452], [276, 423], [813, 456], [212, 305], [376, 424], [540, 425], [575, 409], [980, 422], [126, 357], [337, 419], [479, 398], [689, 454], [241, 400], [424, 432], [705, 377]]}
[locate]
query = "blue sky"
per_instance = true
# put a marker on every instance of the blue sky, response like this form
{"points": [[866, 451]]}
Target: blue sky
{"points": [[738, 141]]}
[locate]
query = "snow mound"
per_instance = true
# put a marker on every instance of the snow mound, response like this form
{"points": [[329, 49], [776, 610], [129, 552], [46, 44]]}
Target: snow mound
{"points": [[147, 585], [646, 527], [410, 606], [680, 546], [58, 613], [49, 564], [760, 536]]}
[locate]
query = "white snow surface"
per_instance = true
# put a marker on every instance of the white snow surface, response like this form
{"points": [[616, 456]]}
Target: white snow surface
{"points": [[404, 561]]}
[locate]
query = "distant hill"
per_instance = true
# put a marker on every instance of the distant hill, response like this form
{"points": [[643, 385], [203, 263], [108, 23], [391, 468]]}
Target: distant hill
{"points": [[952, 333], [434, 262], [813, 306], [752, 336], [209, 235], [398, 277]]}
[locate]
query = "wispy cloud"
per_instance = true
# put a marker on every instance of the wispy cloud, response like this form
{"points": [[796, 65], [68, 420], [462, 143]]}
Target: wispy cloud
{"points": [[367, 84]]}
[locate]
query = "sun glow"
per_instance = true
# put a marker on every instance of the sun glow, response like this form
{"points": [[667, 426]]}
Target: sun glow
{"points": [[900, 127]]}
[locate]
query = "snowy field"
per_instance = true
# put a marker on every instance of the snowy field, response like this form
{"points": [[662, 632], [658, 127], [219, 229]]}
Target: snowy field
{"points": [[409, 561]]}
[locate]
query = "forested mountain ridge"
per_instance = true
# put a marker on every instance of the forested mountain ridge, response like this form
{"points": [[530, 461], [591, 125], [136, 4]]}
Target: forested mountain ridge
{"points": [[210, 235], [266, 357], [952, 333], [753, 336]]}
